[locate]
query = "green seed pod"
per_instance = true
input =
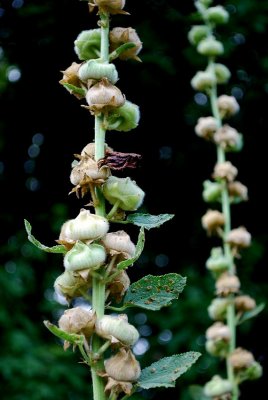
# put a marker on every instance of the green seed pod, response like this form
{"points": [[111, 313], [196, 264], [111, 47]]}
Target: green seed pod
{"points": [[210, 47], [78, 320], [217, 15], [218, 308], [83, 256], [217, 261], [94, 69], [254, 371], [123, 191], [71, 285], [217, 348], [87, 44], [198, 33], [85, 226], [222, 73], [203, 80], [212, 191], [123, 366], [124, 118], [117, 329], [217, 387]]}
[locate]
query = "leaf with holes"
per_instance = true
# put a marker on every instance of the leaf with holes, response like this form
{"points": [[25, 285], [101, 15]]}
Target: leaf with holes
{"points": [[149, 221], [154, 292], [54, 249], [139, 249], [166, 371], [251, 314]]}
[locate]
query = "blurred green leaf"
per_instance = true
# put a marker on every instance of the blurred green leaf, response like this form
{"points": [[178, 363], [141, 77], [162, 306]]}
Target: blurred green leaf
{"points": [[251, 314], [139, 249]]}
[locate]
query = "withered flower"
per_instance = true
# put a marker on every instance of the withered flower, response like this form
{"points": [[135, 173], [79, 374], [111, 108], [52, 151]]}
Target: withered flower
{"points": [[119, 161]]}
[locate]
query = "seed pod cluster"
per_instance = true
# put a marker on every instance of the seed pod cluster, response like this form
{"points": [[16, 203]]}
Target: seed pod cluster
{"points": [[222, 190]]}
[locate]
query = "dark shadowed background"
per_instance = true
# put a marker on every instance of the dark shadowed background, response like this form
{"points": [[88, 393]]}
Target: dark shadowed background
{"points": [[42, 126]]}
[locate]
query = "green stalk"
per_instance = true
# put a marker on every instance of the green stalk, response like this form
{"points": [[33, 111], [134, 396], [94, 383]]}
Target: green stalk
{"points": [[226, 210], [98, 287]]}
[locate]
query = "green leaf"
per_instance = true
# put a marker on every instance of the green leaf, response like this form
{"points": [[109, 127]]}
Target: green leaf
{"points": [[74, 89], [139, 249], [154, 292], [149, 221], [54, 249], [196, 393], [116, 53], [166, 371], [251, 314], [69, 337]]}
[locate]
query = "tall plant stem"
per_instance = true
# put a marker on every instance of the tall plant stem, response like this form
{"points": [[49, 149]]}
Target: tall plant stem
{"points": [[226, 210], [98, 286]]}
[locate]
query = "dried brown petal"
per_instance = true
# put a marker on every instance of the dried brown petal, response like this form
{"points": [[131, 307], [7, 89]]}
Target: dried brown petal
{"points": [[119, 161]]}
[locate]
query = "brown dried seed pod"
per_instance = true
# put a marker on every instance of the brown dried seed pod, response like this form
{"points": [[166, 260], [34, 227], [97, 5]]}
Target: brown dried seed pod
{"points": [[241, 359], [244, 303], [78, 320], [226, 171], [119, 286], [119, 243], [227, 284], [239, 238], [120, 36], [123, 366], [212, 221], [238, 191], [104, 96], [227, 137]]}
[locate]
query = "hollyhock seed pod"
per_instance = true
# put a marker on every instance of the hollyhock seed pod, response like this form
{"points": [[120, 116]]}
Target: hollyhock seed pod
{"points": [[70, 285], [239, 238], [93, 69], [217, 262], [212, 191], [228, 138], [227, 284], [241, 359], [104, 96], [87, 44], [78, 320], [124, 118], [206, 127], [237, 192], [226, 171], [117, 329], [228, 106], [88, 168], [218, 308], [210, 47], [203, 80], [198, 33], [123, 191], [85, 226], [217, 15], [83, 256], [244, 303], [111, 6], [254, 371], [218, 331], [119, 286], [119, 243], [212, 221], [123, 366], [120, 36], [222, 73], [217, 387]]}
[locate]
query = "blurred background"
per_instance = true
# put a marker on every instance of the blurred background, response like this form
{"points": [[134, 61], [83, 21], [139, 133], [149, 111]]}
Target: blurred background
{"points": [[42, 126]]}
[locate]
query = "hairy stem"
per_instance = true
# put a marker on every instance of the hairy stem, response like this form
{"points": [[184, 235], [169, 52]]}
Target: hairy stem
{"points": [[98, 287], [226, 210]]}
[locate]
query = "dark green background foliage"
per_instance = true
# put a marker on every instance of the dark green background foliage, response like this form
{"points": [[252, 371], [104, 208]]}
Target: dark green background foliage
{"points": [[37, 37]]}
